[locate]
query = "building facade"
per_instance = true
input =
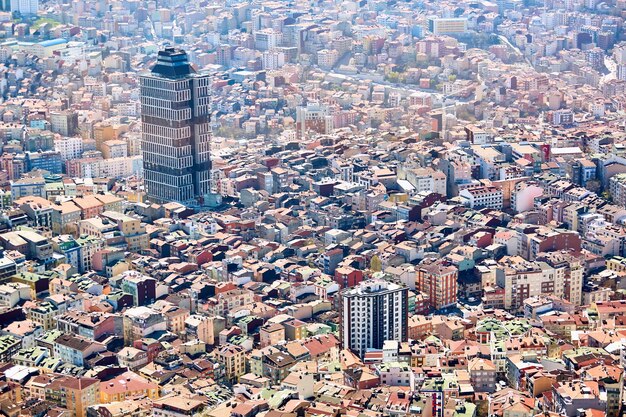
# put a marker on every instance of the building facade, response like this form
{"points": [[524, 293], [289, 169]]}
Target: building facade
{"points": [[176, 141], [373, 312], [439, 283]]}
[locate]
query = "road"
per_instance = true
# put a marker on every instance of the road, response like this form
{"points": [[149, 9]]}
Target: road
{"points": [[612, 67], [410, 89], [515, 49]]}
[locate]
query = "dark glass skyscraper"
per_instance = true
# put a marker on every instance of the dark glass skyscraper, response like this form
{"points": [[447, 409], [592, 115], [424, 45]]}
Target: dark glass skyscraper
{"points": [[176, 137]]}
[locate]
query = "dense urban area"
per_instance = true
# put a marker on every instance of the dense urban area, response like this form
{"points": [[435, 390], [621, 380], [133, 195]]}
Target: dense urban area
{"points": [[290, 208]]}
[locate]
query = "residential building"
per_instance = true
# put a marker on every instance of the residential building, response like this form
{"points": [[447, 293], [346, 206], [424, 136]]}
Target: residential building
{"points": [[439, 283], [371, 313]]}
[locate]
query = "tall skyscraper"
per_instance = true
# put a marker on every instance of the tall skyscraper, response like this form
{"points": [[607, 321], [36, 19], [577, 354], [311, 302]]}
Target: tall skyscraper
{"points": [[176, 137], [372, 312]]}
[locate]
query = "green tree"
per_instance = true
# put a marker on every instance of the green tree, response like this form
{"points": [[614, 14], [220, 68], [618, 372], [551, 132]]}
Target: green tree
{"points": [[376, 265], [482, 408], [393, 77]]}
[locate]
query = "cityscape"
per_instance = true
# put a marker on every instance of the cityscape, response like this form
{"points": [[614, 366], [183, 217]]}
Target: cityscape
{"points": [[331, 208]]}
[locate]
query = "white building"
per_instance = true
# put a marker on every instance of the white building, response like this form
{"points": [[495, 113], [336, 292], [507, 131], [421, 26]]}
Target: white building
{"points": [[12, 292], [115, 148], [142, 321], [523, 198], [120, 167], [560, 275], [373, 312], [396, 374], [346, 169], [424, 180], [483, 197], [390, 351], [132, 358], [69, 148], [327, 58], [266, 39], [25, 7], [621, 72], [273, 59], [447, 26]]}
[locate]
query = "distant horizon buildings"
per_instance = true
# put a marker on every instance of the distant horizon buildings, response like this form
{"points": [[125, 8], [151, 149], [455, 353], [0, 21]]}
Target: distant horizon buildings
{"points": [[176, 138], [373, 312], [23, 7]]}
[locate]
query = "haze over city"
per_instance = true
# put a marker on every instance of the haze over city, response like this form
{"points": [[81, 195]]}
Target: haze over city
{"points": [[289, 208]]}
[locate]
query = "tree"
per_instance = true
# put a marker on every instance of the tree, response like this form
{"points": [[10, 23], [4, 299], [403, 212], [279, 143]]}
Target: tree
{"points": [[376, 265], [593, 185], [482, 408], [393, 77]]}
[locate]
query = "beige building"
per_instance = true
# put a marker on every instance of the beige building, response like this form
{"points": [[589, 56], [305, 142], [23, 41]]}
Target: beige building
{"points": [[110, 222], [204, 328], [222, 303], [175, 318], [65, 218], [114, 148], [233, 358], [271, 334], [126, 385], [75, 394], [482, 374]]}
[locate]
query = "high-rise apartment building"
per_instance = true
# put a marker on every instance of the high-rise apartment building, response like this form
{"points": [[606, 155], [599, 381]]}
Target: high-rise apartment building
{"points": [[373, 312], [558, 273], [25, 7], [439, 283], [64, 122], [568, 274], [314, 118], [176, 137]]}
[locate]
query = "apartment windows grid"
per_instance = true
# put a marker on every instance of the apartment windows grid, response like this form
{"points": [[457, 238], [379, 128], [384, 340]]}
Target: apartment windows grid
{"points": [[373, 312], [176, 137]]}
